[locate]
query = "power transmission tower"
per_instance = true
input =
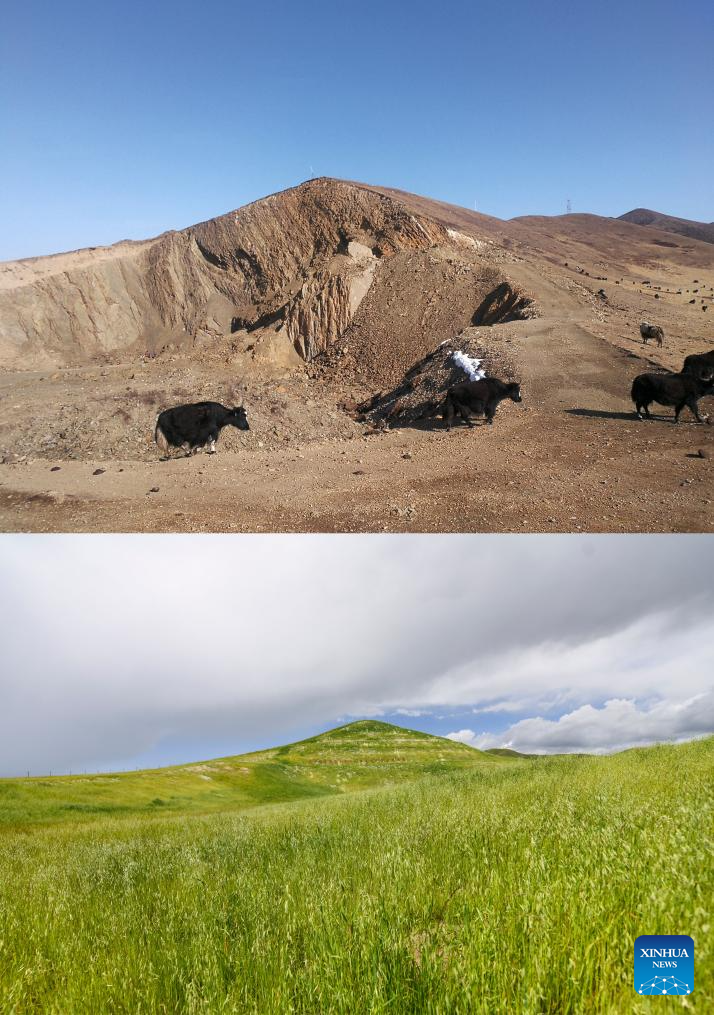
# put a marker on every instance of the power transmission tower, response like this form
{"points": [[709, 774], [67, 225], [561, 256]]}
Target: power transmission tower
{"points": [[568, 207]]}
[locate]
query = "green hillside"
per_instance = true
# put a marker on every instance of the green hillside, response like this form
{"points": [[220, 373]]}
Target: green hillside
{"points": [[361, 755], [507, 752], [482, 887]]}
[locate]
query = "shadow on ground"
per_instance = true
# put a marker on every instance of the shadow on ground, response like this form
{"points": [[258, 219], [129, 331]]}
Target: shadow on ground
{"points": [[603, 414]]}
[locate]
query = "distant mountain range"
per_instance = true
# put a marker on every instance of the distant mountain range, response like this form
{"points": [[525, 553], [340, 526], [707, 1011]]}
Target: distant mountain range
{"points": [[669, 223]]}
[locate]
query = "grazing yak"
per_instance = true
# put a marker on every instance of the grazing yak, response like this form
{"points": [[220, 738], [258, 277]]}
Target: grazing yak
{"points": [[699, 364], [649, 331], [480, 398], [194, 426], [670, 389]]}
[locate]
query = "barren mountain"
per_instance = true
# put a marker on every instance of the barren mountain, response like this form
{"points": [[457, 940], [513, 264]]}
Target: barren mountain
{"points": [[670, 224], [333, 311], [283, 279]]}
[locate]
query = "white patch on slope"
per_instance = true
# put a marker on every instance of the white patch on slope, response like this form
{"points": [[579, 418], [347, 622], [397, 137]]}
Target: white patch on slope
{"points": [[360, 283], [465, 241], [470, 366], [359, 251]]}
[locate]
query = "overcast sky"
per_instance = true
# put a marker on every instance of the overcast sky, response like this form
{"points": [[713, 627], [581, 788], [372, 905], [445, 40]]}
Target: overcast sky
{"points": [[123, 651]]}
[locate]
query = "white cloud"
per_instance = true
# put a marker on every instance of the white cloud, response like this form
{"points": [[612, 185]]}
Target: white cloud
{"points": [[463, 737], [618, 724]]}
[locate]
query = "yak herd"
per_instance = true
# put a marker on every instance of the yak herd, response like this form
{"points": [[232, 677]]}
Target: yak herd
{"points": [[196, 426]]}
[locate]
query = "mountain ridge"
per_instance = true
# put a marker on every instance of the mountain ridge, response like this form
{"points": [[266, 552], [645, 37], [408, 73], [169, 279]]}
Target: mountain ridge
{"points": [[282, 278], [691, 228]]}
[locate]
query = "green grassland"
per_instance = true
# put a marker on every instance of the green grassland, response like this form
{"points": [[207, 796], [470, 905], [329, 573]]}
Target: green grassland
{"points": [[358, 756], [405, 874]]}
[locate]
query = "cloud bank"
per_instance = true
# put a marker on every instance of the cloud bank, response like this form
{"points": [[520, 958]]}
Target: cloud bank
{"points": [[114, 645], [617, 725]]}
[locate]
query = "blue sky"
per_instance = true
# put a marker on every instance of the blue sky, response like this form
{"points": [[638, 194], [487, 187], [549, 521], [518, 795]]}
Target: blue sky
{"points": [[122, 652], [125, 119]]}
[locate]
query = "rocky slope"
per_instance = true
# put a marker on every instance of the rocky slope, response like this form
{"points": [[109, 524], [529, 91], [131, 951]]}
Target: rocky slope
{"points": [[282, 280]]}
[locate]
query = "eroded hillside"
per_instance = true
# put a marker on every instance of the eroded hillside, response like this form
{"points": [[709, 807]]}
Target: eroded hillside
{"points": [[279, 281], [332, 312]]}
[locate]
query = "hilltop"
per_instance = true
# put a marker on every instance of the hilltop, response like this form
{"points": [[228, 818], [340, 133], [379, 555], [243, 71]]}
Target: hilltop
{"points": [[323, 309], [507, 752], [361, 755], [281, 280], [703, 231]]}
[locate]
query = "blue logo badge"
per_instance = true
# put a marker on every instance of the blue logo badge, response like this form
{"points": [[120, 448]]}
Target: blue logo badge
{"points": [[664, 964]]}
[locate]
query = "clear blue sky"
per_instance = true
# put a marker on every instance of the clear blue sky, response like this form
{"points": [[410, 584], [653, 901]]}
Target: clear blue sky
{"points": [[125, 119]]}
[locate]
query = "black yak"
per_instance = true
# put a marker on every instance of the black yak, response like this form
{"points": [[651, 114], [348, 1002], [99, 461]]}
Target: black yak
{"points": [[670, 389], [480, 398], [196, 426]]}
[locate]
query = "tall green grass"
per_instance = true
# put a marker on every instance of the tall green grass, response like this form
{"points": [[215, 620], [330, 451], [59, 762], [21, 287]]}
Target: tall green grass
{"points": [[512, 887]]}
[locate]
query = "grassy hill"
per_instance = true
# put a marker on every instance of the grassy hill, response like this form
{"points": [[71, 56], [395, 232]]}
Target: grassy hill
{"points": [[481, 887], [361, 755], [507, 752]]}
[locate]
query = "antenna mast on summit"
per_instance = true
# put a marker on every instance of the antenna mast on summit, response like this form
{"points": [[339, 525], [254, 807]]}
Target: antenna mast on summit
{"points": [[568, 207]]}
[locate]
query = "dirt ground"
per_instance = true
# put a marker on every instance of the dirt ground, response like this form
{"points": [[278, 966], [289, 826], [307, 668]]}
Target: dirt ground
{"points": [[77, 451]]}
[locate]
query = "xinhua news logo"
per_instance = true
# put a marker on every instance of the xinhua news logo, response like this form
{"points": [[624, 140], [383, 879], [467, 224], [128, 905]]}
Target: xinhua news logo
{"points": [[664, 964]]}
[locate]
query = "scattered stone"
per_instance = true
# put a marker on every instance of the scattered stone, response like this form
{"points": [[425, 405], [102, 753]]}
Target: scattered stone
{"points": [[99, 472], [154, 489], [55, 468], [703, 453], [407, 455]]}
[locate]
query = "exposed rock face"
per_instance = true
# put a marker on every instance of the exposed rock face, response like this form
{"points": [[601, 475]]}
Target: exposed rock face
{"points": [[275, 260], [319, 314], [69, 307], [286, 275]]}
